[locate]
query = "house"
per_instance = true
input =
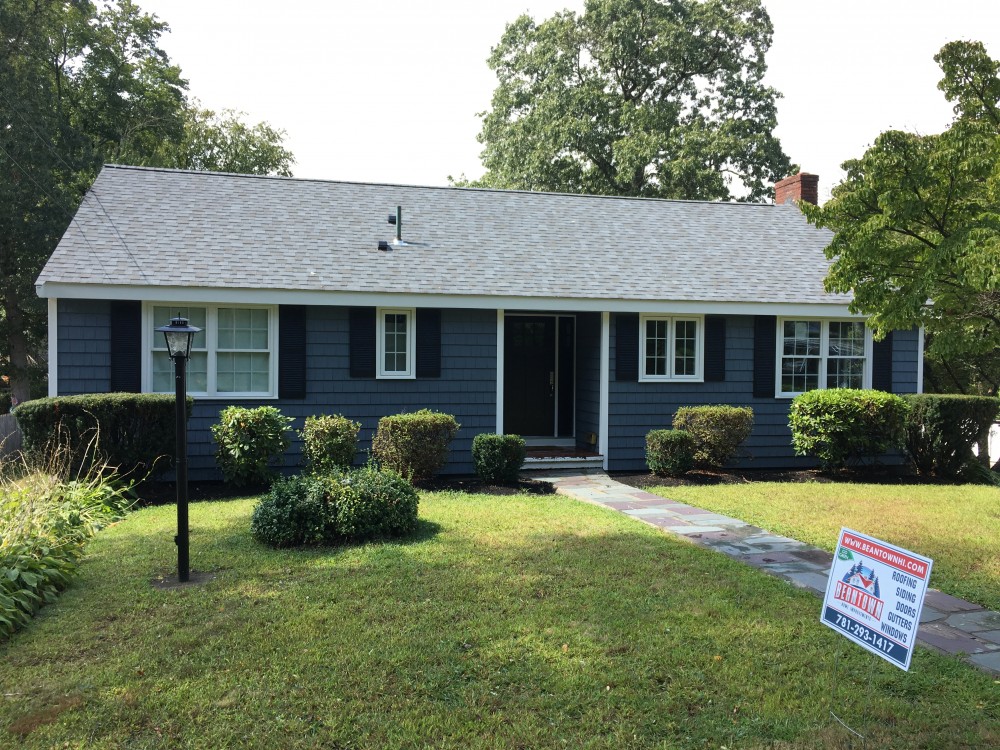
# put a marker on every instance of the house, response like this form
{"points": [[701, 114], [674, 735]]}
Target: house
{"points": [[580, 322]]}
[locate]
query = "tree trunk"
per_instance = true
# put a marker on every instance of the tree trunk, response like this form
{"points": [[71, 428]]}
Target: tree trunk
{"points": [[17, 348]]}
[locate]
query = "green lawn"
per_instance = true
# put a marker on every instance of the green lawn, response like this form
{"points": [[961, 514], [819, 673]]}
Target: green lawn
{"points": [[510, 622], [957, 526]]}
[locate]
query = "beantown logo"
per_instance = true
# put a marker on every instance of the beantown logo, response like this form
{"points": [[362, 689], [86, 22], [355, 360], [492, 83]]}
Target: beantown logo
{"points": [[859, 587]]}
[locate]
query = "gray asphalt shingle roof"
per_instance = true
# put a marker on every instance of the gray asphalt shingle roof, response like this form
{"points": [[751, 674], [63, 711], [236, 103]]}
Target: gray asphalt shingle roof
{"points": [[200, 229]]}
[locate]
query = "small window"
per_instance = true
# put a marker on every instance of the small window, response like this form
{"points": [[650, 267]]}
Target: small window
{"points": [[670, 348], [395, 343], [233, 355], [822, 354]]}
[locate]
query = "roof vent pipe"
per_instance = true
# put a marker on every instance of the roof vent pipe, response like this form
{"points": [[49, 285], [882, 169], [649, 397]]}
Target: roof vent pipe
{"points": [[397, 219]]}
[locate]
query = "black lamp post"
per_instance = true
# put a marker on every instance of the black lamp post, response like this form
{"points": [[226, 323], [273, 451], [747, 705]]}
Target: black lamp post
{"points": [[179, 336]]}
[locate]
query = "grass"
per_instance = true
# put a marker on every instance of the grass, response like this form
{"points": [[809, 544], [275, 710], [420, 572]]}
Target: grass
{"points": [[957, 526], [508, 622]]}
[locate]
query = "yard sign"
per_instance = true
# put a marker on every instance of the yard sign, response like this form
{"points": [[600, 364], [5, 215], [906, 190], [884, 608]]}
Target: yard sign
{"points": [[875, 594]]}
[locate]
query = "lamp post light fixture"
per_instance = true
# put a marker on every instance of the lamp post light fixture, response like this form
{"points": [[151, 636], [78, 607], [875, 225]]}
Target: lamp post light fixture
{"points": [[179, 336]]}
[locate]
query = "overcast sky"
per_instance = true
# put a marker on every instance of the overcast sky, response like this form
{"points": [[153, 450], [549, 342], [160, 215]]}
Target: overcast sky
{"points": [[390, 91]]}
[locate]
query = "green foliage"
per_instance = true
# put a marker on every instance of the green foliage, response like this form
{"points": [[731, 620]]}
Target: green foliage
{"points": [[416, 444], [132, 433], [669, 453], [498, 458], [223, 142], [249, 442], [636, 97], [718, 431], [298, 511], [323, 510], [941, 430], [918, 218], [329, 442], [45, 522], [842, 426], [378, 504]]}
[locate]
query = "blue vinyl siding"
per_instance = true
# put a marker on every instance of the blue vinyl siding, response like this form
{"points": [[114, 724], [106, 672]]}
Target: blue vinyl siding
{"points": [[467, 386], [83, 359], [636, 408]]}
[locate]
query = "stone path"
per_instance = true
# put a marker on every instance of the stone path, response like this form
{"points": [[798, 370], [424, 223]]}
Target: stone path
{"points": [[948, 625]]}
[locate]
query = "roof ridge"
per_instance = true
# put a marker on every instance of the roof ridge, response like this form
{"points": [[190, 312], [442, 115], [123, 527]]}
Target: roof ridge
{"points": [[460, 188]]}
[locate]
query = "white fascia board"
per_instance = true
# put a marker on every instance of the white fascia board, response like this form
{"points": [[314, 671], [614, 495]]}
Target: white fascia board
{"points": [[156, 293]]}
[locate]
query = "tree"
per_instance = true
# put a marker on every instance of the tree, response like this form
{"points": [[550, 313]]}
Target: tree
{"points": [[82, 84], [636, 97], [225, 143], [917, 228]]}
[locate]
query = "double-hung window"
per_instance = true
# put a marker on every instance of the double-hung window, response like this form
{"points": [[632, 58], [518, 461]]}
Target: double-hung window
{"points": [[670, 348], [395, 342], [234, 355], [822, 354]]}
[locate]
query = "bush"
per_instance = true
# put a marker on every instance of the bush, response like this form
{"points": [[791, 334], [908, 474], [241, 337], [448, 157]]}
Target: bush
{"points": [[249, 441], [941, 430], [314, 510], [133, 433], [329, 443], [378, 503], [498, 458], [718, 431], [298, 511], [669, 453], [842, 426], [45, 521], [414, 445]]}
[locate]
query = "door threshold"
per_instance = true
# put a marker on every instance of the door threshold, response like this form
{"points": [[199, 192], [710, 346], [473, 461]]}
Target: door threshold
{"points": [[554, 442]]}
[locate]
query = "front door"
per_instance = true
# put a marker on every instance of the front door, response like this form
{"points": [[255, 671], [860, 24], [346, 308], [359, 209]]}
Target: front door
{"points": [[538, 375]]}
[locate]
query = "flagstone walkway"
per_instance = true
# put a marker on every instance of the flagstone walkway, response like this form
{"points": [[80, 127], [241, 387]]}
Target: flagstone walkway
{"points": [[948, 625]]}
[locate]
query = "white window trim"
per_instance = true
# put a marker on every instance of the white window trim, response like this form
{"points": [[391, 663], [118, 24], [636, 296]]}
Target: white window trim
{"points": [[699, 365], [211, 346], [411, 341], [824, 342]]}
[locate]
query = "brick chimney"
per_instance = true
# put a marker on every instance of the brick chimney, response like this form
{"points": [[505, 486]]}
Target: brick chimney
{"points": [[799, 187]]}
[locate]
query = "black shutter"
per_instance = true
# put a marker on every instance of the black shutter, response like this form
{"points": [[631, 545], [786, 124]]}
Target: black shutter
{"points": [[715, 349], [126, 344], [291, 351], [362, 341], [882, 364], [428, 363], [764, 353], [626, 347]]}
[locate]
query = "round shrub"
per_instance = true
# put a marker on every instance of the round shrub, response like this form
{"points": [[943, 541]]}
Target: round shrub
{"points": [[718, 431], [376, 503], [329, 443], [498, 458], [248, 442], [414, 445], [842, 426], [669, 453], [298, 511]]}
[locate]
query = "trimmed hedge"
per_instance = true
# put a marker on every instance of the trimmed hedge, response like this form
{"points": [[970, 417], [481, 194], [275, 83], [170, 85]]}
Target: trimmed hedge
{"points": [[313, 510], [941, 430], [718, 431], [329, 443], [414, 445], [669, 453], [377, 504], [498, 458], [132, 432], [842, 426], [248, 442]]}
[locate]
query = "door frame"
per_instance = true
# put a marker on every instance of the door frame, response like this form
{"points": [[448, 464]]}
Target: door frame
{"points": [[569, 440]]}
